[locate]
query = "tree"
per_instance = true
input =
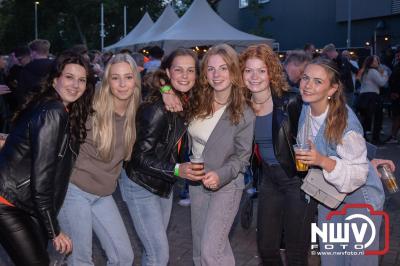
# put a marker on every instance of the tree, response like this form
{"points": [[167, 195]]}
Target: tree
{"points": [[68, 22], [257, 10]]}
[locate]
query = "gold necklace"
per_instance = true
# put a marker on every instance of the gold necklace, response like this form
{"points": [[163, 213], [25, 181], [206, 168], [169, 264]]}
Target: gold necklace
{"points": [[215, 100], [269, 96]]}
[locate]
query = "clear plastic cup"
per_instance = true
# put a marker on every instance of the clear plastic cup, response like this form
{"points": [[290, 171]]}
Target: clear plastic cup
{"points": [[388, 178], [197, 162], [301, 167]]}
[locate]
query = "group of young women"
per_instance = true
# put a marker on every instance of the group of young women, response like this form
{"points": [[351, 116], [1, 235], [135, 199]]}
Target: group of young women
{"points": [[66, 145]]}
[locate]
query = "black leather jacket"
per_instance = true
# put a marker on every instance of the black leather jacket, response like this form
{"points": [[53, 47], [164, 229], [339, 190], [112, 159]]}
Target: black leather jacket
{"points": [[156, 148], [285, 118], [36, 162]]}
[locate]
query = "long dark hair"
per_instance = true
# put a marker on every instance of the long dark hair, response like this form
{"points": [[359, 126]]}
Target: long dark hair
{"points": [[160, 76], [78, 110], [367, 65]]}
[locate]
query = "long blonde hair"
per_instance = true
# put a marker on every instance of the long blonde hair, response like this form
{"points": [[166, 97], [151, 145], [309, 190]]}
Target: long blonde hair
{"points": [[103, 125]]}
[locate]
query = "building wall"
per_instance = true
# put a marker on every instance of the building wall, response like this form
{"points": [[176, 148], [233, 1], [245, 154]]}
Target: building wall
{"points": [[296, 22]]}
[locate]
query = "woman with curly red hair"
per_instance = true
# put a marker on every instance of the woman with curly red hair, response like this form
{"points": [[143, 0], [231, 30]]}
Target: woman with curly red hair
{"points": [[282, 205]]}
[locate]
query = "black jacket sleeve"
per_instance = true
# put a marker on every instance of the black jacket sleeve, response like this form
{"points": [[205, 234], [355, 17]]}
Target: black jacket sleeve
{"points": [[152, 126], [46, 133]]}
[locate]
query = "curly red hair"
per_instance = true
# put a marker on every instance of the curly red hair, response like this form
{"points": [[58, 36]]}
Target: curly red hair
{"points": [[276, 74]]}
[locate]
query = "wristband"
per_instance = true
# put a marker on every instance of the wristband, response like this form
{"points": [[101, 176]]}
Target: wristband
{"points": [[176, 170], [165, 88]]}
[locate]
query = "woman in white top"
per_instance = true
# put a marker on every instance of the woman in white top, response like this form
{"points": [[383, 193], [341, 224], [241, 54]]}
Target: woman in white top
{"points": [[221, 130], [339, 150], [372, 77]]}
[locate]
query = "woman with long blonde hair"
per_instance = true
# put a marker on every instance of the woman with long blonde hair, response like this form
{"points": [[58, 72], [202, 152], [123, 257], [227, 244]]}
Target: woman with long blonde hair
{"points": [[221, 131], [89, 205]]}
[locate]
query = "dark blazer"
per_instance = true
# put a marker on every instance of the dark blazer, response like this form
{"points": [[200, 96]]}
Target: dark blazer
{"points": [[36, 162]]}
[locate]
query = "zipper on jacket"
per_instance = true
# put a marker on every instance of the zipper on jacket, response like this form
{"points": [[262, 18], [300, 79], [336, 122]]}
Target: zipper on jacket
{"points": [[23, 183], [50, 223]]}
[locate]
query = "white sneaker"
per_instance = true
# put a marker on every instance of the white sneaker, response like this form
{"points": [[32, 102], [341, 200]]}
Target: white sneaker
{"points": [[184, 202]]}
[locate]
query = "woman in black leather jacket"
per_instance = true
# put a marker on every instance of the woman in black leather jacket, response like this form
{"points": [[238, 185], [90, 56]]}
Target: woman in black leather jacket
{"points": [[282, 206], [36, 161], [152, 171]]}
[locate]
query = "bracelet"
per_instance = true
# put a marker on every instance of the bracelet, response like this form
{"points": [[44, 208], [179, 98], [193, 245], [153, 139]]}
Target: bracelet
{"points": [[176, 170], [165, 88]]}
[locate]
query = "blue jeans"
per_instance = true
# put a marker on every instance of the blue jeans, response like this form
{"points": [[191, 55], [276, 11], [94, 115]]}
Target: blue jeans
{"points": [[150, 214], [349, 260], [83, 212]]}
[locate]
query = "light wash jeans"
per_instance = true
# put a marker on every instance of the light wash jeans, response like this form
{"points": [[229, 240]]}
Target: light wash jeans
{"points": [[212, 215], [150, 214], [83, 212]]}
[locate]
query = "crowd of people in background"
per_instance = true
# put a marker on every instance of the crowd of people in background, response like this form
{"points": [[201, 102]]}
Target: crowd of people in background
{"points": [[83, 122]]}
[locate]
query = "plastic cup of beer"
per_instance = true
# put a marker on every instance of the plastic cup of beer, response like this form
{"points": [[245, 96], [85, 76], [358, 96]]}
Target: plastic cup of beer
{"points": [[197, 162], [301, 167], [388, 178]]}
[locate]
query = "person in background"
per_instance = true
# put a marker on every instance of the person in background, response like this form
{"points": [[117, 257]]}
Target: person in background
{"points": [[106, 57], [282, 206], [372, 77], [147, 185], [347, 56], [394, 84], [221, 131], [294, 65], [22, 56], [33, 73], [339, 149], [96, 63], [346, 69], [37, 159], [309, 49], [156, 54], [89, 205]]}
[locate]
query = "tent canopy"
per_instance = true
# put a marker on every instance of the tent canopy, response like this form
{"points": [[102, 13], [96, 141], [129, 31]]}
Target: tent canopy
{"points": [[165, 21], [144, 25], [200, 25]]}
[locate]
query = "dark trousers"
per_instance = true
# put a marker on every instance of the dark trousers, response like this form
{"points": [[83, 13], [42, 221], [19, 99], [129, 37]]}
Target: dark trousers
{"points": [[22, 237], [371, 108], [282, 207]]}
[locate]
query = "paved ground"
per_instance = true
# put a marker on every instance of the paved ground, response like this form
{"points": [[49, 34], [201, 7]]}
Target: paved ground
{"points": [[243, 241]]}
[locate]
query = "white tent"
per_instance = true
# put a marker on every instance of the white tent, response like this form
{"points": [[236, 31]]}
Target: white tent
{"points": [[166, 20], [144, 25], [200, 25]]}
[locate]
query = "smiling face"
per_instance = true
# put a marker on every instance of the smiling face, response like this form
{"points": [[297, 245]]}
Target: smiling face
{"points": [[71, 84], [182, 73], [315, 86], [122, 81], [218, 75], [255, 75]]}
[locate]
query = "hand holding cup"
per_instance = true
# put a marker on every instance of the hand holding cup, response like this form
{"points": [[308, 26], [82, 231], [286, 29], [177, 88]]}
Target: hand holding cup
{"points": [[194, 170]]}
